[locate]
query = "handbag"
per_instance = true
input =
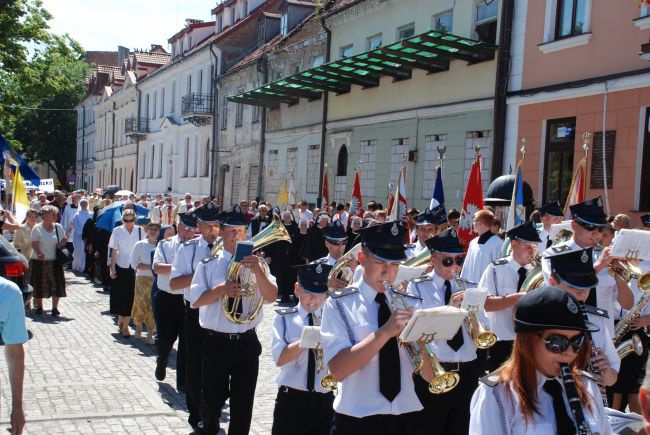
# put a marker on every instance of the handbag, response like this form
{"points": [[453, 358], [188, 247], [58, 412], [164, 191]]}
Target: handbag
{"points": [[63, 257]]}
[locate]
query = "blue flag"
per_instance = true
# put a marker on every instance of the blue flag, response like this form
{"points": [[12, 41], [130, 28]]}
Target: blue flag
{"points": [[25, 170], [438, 197]]}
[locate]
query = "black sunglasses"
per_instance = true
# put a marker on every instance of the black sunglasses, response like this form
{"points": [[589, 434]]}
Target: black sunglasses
{"points": [[590, 227], [128, 221], [449, 261], [557, 343]]}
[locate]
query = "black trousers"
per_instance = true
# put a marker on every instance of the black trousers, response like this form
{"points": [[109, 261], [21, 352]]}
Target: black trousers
{"points": [[498, 354], [302, 412], [382, 424], [171, 325], [447, 413], [230, 367], [194, 336]]}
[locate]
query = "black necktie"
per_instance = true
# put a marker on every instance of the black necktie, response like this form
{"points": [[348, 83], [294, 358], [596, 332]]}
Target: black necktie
{"points": [[549, 242], [311, 361], [389, 366], [210, 246], [563, 422], [457, 341], [522, 277]]}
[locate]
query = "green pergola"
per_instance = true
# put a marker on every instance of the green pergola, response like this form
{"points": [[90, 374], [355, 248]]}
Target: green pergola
{"points": [[431, 51]]}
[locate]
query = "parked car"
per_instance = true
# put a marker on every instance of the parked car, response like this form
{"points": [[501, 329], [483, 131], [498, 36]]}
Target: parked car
{"points": [[13, 266]]}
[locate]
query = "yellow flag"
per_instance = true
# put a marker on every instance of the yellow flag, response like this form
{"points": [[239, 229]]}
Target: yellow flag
{"points": [[21, 201], [283, 196]]}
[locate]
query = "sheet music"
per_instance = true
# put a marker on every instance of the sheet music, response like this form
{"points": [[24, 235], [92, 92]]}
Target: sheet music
{"points": [[310, 338], [555, 228], [407, 273], [634, 244], [353, 252], [474, 299], [440, 323], [621, 420]]}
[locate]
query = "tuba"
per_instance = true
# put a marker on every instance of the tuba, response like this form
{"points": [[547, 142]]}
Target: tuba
{"points": [[482, 336], [235, 309], [442, 381], [341, 270], [535, 278]]}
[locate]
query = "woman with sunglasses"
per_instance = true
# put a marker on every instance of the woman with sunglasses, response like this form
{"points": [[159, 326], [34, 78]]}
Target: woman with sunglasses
{"points": [[449, 411], [540, 389]]}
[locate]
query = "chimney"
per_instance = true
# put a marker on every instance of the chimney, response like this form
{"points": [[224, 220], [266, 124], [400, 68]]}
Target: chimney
{"points": [[122, 53]]}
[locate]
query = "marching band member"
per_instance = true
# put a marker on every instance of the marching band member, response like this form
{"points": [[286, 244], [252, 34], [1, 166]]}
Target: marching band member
{"points": [[539, 389], [551, 213], [503, 279], [169, 303], [230, 350], [449, 411], [574, 273], [483, 249], [302, 405], [359, 332], [335, 241], [426, 226], [184, 265]]}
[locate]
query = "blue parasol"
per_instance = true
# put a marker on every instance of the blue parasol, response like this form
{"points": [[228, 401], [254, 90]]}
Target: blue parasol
{"points": [[112, 214]]}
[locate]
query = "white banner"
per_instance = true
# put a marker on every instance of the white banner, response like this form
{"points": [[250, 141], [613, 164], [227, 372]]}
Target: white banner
{"points": [[47, 185]]}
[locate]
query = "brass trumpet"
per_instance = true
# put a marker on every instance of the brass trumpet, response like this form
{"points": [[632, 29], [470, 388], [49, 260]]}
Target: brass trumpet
{"points": [[482, 336], [327, 382]]}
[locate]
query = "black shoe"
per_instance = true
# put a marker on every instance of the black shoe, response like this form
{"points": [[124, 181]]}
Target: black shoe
{"points": [[38, 310], [55, 312], [161, 369]]}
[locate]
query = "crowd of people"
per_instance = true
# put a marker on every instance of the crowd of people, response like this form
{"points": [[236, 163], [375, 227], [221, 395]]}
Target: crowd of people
{"points": [[549, 314]]}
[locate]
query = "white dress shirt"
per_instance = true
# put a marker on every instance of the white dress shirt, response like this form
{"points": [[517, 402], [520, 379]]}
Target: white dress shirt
{"points": [[165, 254], [142, 255], [154, 215], [603, 339], [210, 273], [329, 260], [479, 256], [544, 236], [432, 292], [188, 256], [489, 414], [124, 242], [359, 394], [502, 280], [414, 250], [287, 329]]}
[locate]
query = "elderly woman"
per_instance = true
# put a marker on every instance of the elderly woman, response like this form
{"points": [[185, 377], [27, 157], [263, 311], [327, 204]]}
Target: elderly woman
{"points": [[122, 241], [46, 272], [141, 262], [23, 236]]}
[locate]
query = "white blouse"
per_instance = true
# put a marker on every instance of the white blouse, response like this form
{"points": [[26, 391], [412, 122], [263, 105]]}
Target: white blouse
{"points": [[47, 240], [142, 255]]}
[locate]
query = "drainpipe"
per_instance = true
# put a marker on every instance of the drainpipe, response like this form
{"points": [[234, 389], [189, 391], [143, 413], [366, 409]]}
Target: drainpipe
{"points": [[83, 143], [113, 142], [263, 65], [137, 147], [215, 121], [501, 86], [323, 126]]}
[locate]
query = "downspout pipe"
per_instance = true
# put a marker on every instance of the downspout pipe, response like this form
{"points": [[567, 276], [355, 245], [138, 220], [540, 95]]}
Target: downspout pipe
{"points": [[113, 142], [215, 121], [501, 86], [323, 126], [263, 64], [83, 144], [137, 148]]}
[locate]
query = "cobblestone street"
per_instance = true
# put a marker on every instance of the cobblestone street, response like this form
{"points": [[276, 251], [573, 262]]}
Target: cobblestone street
{"points": [[81, 377]]}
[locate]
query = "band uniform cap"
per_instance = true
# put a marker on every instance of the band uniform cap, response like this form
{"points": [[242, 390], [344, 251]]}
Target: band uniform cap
{"points": [[589, 212], [576, 268], [552, 208], [234, 217], [445, 242], [142, 220], [550, 308], [335, 231], [385, 240], [187, 219], [436, 216], [207, 213], [526, 232], [313, 276], [645, 220]]}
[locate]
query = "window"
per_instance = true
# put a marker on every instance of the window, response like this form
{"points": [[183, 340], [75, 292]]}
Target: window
{"points": [[155, 103], [162, 103], [206, 160], [160, 160], [406, 31], [570, 18], [486, 21], [239, 113], [143, 164], [368, 153], [153, 160], [345, 51], [558, 159], [199, 86], [236, 183], [189, 84], [431, 161], [342, 162], [146, 106], [373, 42], [272, 180], [257, 114], [219, 23], [284, 23], [172, 103], [195, 157], [444, 22], [224, 113], [644, 203], [186, 155], [253, 175], [313, 168], [317, 61], [261, 32]]}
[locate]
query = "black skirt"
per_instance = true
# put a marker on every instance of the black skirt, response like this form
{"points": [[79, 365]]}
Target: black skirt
{"points": [[122, 289]]}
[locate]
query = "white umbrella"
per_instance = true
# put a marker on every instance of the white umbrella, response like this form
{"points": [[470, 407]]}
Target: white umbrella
{"points": [[123, 193]]}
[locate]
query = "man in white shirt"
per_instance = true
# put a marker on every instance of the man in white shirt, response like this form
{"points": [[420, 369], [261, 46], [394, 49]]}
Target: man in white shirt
{"points": [[483, 249], [304, 212], [551, 213], [426, 226], [185, 205]]}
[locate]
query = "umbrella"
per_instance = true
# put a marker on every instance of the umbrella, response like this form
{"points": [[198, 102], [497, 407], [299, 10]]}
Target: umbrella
{"points": [[112, 214], [123, 193]]}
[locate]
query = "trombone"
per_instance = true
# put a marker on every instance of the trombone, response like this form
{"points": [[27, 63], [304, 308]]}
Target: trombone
{"points": [[482, 336], [442, 381]]}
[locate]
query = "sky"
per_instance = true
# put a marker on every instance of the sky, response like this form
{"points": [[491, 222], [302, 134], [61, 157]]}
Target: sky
{"points": [[103, 25]]}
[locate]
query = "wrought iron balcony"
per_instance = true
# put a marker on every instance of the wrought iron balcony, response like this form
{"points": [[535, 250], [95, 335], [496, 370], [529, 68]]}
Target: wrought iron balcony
{"points": [[197, 108], [136, 128]]}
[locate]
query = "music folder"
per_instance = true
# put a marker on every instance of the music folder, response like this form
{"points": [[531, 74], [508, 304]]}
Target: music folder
{"points": [[631, 244], [439, 323], [310, 338]]}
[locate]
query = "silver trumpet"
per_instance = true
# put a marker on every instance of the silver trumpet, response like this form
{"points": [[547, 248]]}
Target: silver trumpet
{"points": [[482, 336]]}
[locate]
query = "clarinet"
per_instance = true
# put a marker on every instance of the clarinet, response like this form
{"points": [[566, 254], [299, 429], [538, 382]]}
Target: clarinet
{"points": [[590, 367], [582, 428]]}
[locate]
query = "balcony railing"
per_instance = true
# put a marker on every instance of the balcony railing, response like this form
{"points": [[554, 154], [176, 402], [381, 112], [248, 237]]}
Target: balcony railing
{"points": [[197, 108], [136, 128]]}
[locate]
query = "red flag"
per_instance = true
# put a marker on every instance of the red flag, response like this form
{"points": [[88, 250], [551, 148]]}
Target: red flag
{"points": [[577, 190], [356, 204], [326, 190], [391, 199], [472, 203]]}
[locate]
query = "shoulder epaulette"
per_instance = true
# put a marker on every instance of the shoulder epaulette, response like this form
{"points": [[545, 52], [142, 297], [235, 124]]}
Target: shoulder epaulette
{"points": [[342, 292], [191, 242], [209, 258], [491, 379], [410, 246], [558, 249], [285, 311], [500, 262], [411, 295], [420, 279], [596, 311]]}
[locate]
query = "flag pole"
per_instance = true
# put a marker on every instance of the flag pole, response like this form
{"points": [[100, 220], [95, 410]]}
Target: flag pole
{"points": [[441, 155], [586, 140]]}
